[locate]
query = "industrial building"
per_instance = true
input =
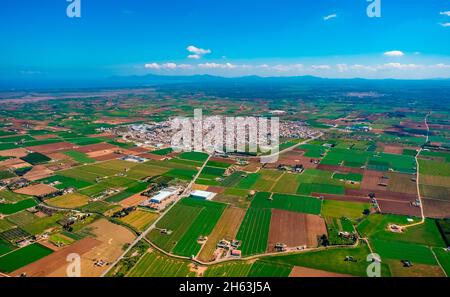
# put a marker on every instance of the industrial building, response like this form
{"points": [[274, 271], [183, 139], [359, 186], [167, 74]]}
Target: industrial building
{"points": [[163, 195], [202, 195]]}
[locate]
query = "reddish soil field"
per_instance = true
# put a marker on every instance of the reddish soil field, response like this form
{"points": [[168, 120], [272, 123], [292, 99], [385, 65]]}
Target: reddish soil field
{"points": [[436, 208], [134, 200], [341, 169], [136, 150], [222, 160], [298, 271], [57, 156], [215, 189], [96, 147], [52, 148], [393, 149], [343, 198], [399, 208], [36, 190], [153, 157], [57, 260], [38, 172], [45, 136], [108, 157], [18, 153], [14, 163], [294, 229], [382, 195], [371, 179]]}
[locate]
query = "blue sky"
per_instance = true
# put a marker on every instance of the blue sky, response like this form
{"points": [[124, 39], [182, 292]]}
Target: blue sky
{"points": [[328, 38]]}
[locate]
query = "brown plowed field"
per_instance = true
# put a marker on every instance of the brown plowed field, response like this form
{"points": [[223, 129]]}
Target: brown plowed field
{"points": [[52, 147], [58, 260], [294, 157], [399, 208], [107, 157], [342, 169], [436, 208], [294, 229], [96, 147], [38, 172], [342, 197], [382, 195], [226, 228], [18, 153], [298, 271], [371, 179], [112, 239], [36, 190]]}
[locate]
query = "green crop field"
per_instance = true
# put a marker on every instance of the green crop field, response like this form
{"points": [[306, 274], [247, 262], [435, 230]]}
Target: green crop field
{"points": [[12, 197], [65, 182], [134, 188], [287, 184], [254, 231], [183, 174], [434, 168], [36, 158], [157, 265], [203, 225], [248, 181], [76, 173], [332, 260], [444, 258], [178, 220], [403, 251], [287, 202], [233, 179], [22, 257], [194, 156], [79, 157], [267, 269], [162, 152], [308, 189], [8, 209], [233, 269], [375, 227], [338, 209]]}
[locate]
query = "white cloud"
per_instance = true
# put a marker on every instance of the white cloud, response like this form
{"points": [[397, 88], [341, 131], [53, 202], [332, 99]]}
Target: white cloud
{"points": [[441, 66], [196, 52], [194, 56], [217, 66], [329, 17], [445, 24], [447, 13], [394, 54], [169, 66], [342, 67], [321, 67], [398, 66], [154, 66]]}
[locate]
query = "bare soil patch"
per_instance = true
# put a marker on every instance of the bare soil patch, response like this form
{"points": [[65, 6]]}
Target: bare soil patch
{"points": [[37, 190], [295, 229], [298, 271]]}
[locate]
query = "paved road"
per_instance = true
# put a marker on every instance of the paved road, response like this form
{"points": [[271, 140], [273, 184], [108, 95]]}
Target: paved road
{"points": [[152, 226]]}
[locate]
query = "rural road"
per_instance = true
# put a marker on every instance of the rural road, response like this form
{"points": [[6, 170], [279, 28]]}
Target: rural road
{"points": [[152, 226], [419, 196]]}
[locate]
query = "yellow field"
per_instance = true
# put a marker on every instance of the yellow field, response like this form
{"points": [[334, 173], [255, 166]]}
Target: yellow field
{"points": [[139, 219], [226, 228], [69, 201]]}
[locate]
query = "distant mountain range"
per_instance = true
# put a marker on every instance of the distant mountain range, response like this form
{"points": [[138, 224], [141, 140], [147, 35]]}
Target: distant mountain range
{"points": [[150, 80]]}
